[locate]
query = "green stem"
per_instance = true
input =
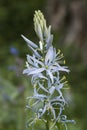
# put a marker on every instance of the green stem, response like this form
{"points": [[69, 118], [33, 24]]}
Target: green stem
{"points": [[47, 125], [58, 125]]}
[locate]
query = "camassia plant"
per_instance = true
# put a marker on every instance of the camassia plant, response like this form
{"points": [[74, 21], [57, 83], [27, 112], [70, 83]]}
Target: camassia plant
{"points": [[45, 67]]}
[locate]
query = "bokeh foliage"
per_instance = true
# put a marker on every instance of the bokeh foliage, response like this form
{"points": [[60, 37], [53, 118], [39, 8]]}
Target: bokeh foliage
{"points": [[16, 18]]}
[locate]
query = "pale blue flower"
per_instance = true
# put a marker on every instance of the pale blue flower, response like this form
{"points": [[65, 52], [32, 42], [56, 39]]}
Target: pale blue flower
{"points": [[50, 65], [44, 67]]}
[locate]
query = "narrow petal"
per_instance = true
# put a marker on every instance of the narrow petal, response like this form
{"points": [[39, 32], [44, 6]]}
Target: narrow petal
{"points": [[30, 43], [49, 56], [30, 60], [35, 60], [40, 75], [63, 68], [50, 75], [27, 71], [43, 88], [49, 41], [36, 71], [60, 68], [51, 90], [34, 51]]}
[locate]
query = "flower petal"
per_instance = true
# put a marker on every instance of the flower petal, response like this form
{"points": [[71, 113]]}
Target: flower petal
{"points": [[34, 60], [57, 67], [43, 88], [35, 52], [49, 56], [36, 71], [50, 75], [30, 43], [27, 71], [51, 90], [49, 41]]}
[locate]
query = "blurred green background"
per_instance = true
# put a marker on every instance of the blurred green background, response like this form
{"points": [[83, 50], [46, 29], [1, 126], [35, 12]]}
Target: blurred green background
{"points": [[69, 26]]}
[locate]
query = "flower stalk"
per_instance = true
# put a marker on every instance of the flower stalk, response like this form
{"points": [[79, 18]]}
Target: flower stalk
{"points": [[45, 68], [47, 125]]}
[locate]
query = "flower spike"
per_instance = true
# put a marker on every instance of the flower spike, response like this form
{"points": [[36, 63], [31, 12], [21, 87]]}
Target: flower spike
{"points": [[44, 66]]}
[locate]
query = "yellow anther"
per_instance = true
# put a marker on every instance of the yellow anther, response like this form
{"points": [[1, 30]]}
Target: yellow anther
{"points": [[63, 78], [64, 62], [46, 67], [59, 51]]}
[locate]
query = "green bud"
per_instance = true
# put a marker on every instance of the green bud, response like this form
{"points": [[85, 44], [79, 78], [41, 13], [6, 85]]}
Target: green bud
{"points": [[40, 26]]}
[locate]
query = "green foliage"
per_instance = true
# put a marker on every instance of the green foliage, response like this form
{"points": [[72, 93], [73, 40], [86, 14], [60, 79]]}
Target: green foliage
{"points": [[15, 19]]}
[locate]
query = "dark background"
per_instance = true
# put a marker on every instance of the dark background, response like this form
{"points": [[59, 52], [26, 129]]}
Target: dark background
{"points": [[69, 26]]}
